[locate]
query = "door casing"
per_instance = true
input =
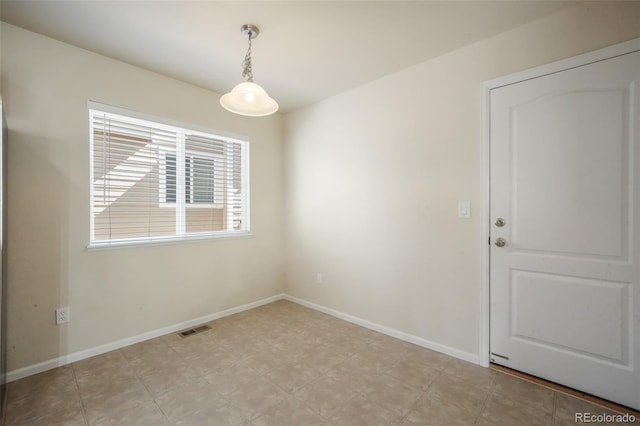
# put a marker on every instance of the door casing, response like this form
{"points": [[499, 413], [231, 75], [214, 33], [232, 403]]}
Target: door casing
{"points": [[486, 87]]}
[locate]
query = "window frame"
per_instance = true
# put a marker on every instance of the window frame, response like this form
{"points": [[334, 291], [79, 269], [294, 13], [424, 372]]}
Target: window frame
{"points": [[220, 202]]}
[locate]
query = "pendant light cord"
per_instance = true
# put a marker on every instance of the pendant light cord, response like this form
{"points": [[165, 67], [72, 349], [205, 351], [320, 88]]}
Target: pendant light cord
{"points": [[247, 71]]}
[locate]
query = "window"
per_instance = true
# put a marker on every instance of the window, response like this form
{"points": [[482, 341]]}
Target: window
{"points": [[154, 181], [204, 179]]}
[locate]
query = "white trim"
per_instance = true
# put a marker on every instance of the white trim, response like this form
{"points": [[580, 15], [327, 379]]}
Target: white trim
{"points": [[465, 356], [565, 64], [157, 241], [160, 121], [485, 228], [118, 344], [486, 87]]}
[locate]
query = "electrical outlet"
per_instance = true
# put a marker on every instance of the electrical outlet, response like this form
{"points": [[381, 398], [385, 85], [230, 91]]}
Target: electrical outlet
{"points": [[319, 278], [62, 315]]}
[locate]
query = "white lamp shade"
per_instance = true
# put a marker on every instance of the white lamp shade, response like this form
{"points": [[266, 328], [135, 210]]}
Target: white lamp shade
{"points": [[250, 99]]}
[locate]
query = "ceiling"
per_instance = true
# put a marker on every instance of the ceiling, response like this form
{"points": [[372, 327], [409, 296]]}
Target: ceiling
{"points": [[307, 50]]}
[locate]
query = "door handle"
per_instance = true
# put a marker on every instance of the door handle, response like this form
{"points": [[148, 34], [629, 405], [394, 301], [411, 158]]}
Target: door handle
{"points": [[501, 242]]}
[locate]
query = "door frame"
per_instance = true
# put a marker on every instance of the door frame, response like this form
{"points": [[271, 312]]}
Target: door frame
{"points": [[486, 87]]}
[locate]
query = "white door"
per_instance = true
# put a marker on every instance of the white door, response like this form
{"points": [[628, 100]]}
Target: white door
{"points": [[565, 179]]}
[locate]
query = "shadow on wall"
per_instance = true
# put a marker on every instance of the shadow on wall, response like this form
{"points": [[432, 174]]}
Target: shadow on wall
{"points": [[37, 240]]}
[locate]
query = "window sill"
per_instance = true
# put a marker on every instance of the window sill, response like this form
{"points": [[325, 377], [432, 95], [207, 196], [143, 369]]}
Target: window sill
{"points": [[165, 241]]}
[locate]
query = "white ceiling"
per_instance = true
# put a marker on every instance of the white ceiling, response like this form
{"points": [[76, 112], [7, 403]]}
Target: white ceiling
{"points": [[307, 50]]}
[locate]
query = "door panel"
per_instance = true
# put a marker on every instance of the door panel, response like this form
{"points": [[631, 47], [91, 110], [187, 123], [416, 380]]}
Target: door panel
{"points": [[600, 333], [565, 151], [562, 134]]}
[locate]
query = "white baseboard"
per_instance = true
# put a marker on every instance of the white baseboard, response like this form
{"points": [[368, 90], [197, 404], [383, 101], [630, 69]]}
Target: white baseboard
{"points": [[118, 344], [466, 356]]}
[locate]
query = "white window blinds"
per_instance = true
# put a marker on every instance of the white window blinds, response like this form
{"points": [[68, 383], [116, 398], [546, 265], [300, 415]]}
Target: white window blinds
{"points": [[152, 181]]}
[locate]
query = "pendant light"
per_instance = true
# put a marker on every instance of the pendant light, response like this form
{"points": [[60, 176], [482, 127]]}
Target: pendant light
{"points": [[248, 98]]}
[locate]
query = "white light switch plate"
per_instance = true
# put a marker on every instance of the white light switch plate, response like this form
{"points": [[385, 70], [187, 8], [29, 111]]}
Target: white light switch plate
{"points": [[464, 209]]}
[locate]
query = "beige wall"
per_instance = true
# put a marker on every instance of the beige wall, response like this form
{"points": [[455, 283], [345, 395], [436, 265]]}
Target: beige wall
{"points": [[374, 176], [115, 294]]}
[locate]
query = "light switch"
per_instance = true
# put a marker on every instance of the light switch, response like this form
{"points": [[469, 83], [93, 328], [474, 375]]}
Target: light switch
{"points": [[464, 209]]}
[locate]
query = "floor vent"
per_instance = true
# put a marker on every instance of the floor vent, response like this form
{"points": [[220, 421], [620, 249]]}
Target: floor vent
{"points": [[194, 330]]}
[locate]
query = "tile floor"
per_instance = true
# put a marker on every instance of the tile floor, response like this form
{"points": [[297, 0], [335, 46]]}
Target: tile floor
{"points": [[287, 365]]}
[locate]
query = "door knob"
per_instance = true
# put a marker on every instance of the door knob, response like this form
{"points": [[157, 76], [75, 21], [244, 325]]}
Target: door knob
{"points": [[500, 242], [500, 222]]}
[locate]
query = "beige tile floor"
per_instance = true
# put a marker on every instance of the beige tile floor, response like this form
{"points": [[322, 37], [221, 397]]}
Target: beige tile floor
{"points": [[283, 364]]}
